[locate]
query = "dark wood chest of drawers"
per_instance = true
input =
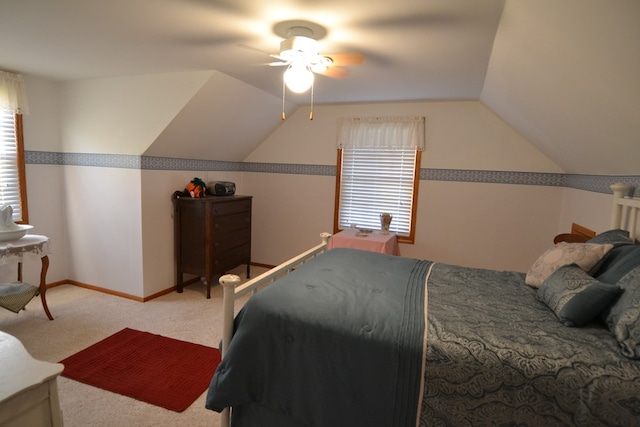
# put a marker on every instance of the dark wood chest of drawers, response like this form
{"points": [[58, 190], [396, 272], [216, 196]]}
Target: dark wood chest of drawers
{"points": [[212, 236]]}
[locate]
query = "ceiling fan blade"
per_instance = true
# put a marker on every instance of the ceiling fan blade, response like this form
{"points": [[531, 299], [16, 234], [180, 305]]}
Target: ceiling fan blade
{"points": [[419, 20], [346, 59], [277, 64], [255, 49], [335, 72]]}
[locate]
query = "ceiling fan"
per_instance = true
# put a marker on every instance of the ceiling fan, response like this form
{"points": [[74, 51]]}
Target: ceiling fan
{"points": [[300, 53]]}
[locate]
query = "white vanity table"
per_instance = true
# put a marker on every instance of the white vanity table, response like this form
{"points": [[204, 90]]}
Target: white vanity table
{"points": [[31, 246], [28, 387]]}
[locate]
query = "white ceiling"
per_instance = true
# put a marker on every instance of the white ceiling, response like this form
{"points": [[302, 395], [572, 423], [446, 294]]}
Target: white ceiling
{"points": [[536, 65], [419, 49]]}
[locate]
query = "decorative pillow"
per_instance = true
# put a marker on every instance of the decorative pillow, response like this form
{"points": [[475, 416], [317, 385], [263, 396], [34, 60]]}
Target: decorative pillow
{"points": [[617, 263], [614, 237], [575, 297], [586, 255], [623, 318]]}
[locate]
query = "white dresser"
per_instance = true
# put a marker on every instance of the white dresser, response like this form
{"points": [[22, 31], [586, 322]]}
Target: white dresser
{"points": [[28, 387]]}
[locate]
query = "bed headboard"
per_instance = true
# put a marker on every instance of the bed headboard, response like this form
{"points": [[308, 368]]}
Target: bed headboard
{"points": [[624, 208]]}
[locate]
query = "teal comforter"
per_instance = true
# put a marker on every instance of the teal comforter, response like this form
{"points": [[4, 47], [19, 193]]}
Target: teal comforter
{"points": [[324, 347]]}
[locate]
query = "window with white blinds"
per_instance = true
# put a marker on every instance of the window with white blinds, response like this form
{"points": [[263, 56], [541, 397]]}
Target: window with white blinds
{"points": [[376, 180], [11, 168]]}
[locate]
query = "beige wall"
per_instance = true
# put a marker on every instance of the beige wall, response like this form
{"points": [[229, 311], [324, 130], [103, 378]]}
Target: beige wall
{"points": [[104, 233], [496, 226], [592, 210], [459, 135], [111, 227], [45, 183], [483, 225], [486, 225], [123, 115]]}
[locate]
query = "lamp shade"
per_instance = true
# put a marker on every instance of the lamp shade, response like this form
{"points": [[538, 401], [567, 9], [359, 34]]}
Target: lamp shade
{"points": [[298, 78]]}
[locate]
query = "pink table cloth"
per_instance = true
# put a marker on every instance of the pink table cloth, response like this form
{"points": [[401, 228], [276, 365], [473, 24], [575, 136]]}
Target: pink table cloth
{"points": [[374, 241]]}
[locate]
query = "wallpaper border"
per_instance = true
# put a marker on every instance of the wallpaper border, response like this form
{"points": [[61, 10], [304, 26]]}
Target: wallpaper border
{"points": [[592, 183]]}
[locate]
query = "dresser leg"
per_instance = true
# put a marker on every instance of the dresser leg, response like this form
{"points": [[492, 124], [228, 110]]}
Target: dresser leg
{"points": [[179, 284]]}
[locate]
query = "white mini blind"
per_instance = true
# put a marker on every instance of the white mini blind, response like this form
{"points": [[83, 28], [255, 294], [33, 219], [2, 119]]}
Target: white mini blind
{"points": [[373, 181], [9, 175]]}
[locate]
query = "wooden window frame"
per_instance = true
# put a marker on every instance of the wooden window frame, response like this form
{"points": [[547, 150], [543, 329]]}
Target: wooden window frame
{"points": [[414, 206]]}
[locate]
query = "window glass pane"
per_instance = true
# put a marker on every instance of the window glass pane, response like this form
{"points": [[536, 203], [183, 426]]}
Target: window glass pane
{"points": [[373, 181]]}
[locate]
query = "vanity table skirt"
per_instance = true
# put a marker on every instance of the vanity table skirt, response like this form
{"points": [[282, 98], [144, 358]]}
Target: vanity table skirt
{"points": [[31, 246]]}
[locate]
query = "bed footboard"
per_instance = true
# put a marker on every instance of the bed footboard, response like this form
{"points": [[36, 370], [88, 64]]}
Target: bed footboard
{"points": [[232, 290]]}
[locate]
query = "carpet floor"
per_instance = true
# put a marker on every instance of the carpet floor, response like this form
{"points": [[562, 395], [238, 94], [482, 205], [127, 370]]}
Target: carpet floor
{"points": [[84, 317]]}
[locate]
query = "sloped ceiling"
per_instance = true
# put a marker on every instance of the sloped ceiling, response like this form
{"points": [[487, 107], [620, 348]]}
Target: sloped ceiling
{"points": [[567, 76], [216, 119], [564, 73]]}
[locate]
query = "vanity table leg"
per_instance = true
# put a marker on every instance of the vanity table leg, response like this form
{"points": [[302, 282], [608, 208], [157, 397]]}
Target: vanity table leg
{"points": [[43, 285]]}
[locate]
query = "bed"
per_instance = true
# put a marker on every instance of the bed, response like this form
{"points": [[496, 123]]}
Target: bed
{"points": [[406, 342]]}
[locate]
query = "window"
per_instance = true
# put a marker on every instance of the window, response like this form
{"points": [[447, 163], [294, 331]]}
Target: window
{"points": [[12, 170], [379, 171], [13, 103]]}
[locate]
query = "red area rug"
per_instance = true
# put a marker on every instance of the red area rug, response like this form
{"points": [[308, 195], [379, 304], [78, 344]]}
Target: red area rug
{"points": [[162, 371]]}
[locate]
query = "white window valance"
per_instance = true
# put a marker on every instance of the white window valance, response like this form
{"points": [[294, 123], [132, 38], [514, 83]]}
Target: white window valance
{"points": [[381, 132], [13, 97]]}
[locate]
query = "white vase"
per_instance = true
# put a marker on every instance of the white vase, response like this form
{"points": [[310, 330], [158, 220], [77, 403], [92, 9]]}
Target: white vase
{"points": [[385, 222], [6, 217]]}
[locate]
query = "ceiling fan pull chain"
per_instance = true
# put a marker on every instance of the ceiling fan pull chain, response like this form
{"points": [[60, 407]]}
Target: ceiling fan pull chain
{"points": [[283, 93], [311, 112]]}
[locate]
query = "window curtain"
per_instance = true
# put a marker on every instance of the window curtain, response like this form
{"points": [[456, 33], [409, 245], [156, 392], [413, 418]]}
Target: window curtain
{"points": [[13, 97], [381, 132]]}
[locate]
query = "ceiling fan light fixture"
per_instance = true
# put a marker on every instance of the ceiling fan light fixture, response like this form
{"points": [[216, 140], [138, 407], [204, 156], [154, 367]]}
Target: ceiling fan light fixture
{"points": [[299, 46], [321, 64], [298, 78]]}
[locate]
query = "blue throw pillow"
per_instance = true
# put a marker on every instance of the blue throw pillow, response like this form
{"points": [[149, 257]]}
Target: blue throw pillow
{"points": [[575, 297], [614, 237], [623, 318], [617, 263]]}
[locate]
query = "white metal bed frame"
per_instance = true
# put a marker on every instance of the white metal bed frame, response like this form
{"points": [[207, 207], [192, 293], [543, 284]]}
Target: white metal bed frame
{"points": [[620, 202], [232, 290]]}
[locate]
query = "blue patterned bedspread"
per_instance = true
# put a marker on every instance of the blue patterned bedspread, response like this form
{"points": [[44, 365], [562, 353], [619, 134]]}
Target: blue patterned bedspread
{"points": [[327, 347], [497, 356]]}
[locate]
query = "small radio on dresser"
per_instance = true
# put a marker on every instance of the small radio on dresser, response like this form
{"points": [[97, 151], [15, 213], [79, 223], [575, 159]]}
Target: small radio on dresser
{"points": [[222, 188]]}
